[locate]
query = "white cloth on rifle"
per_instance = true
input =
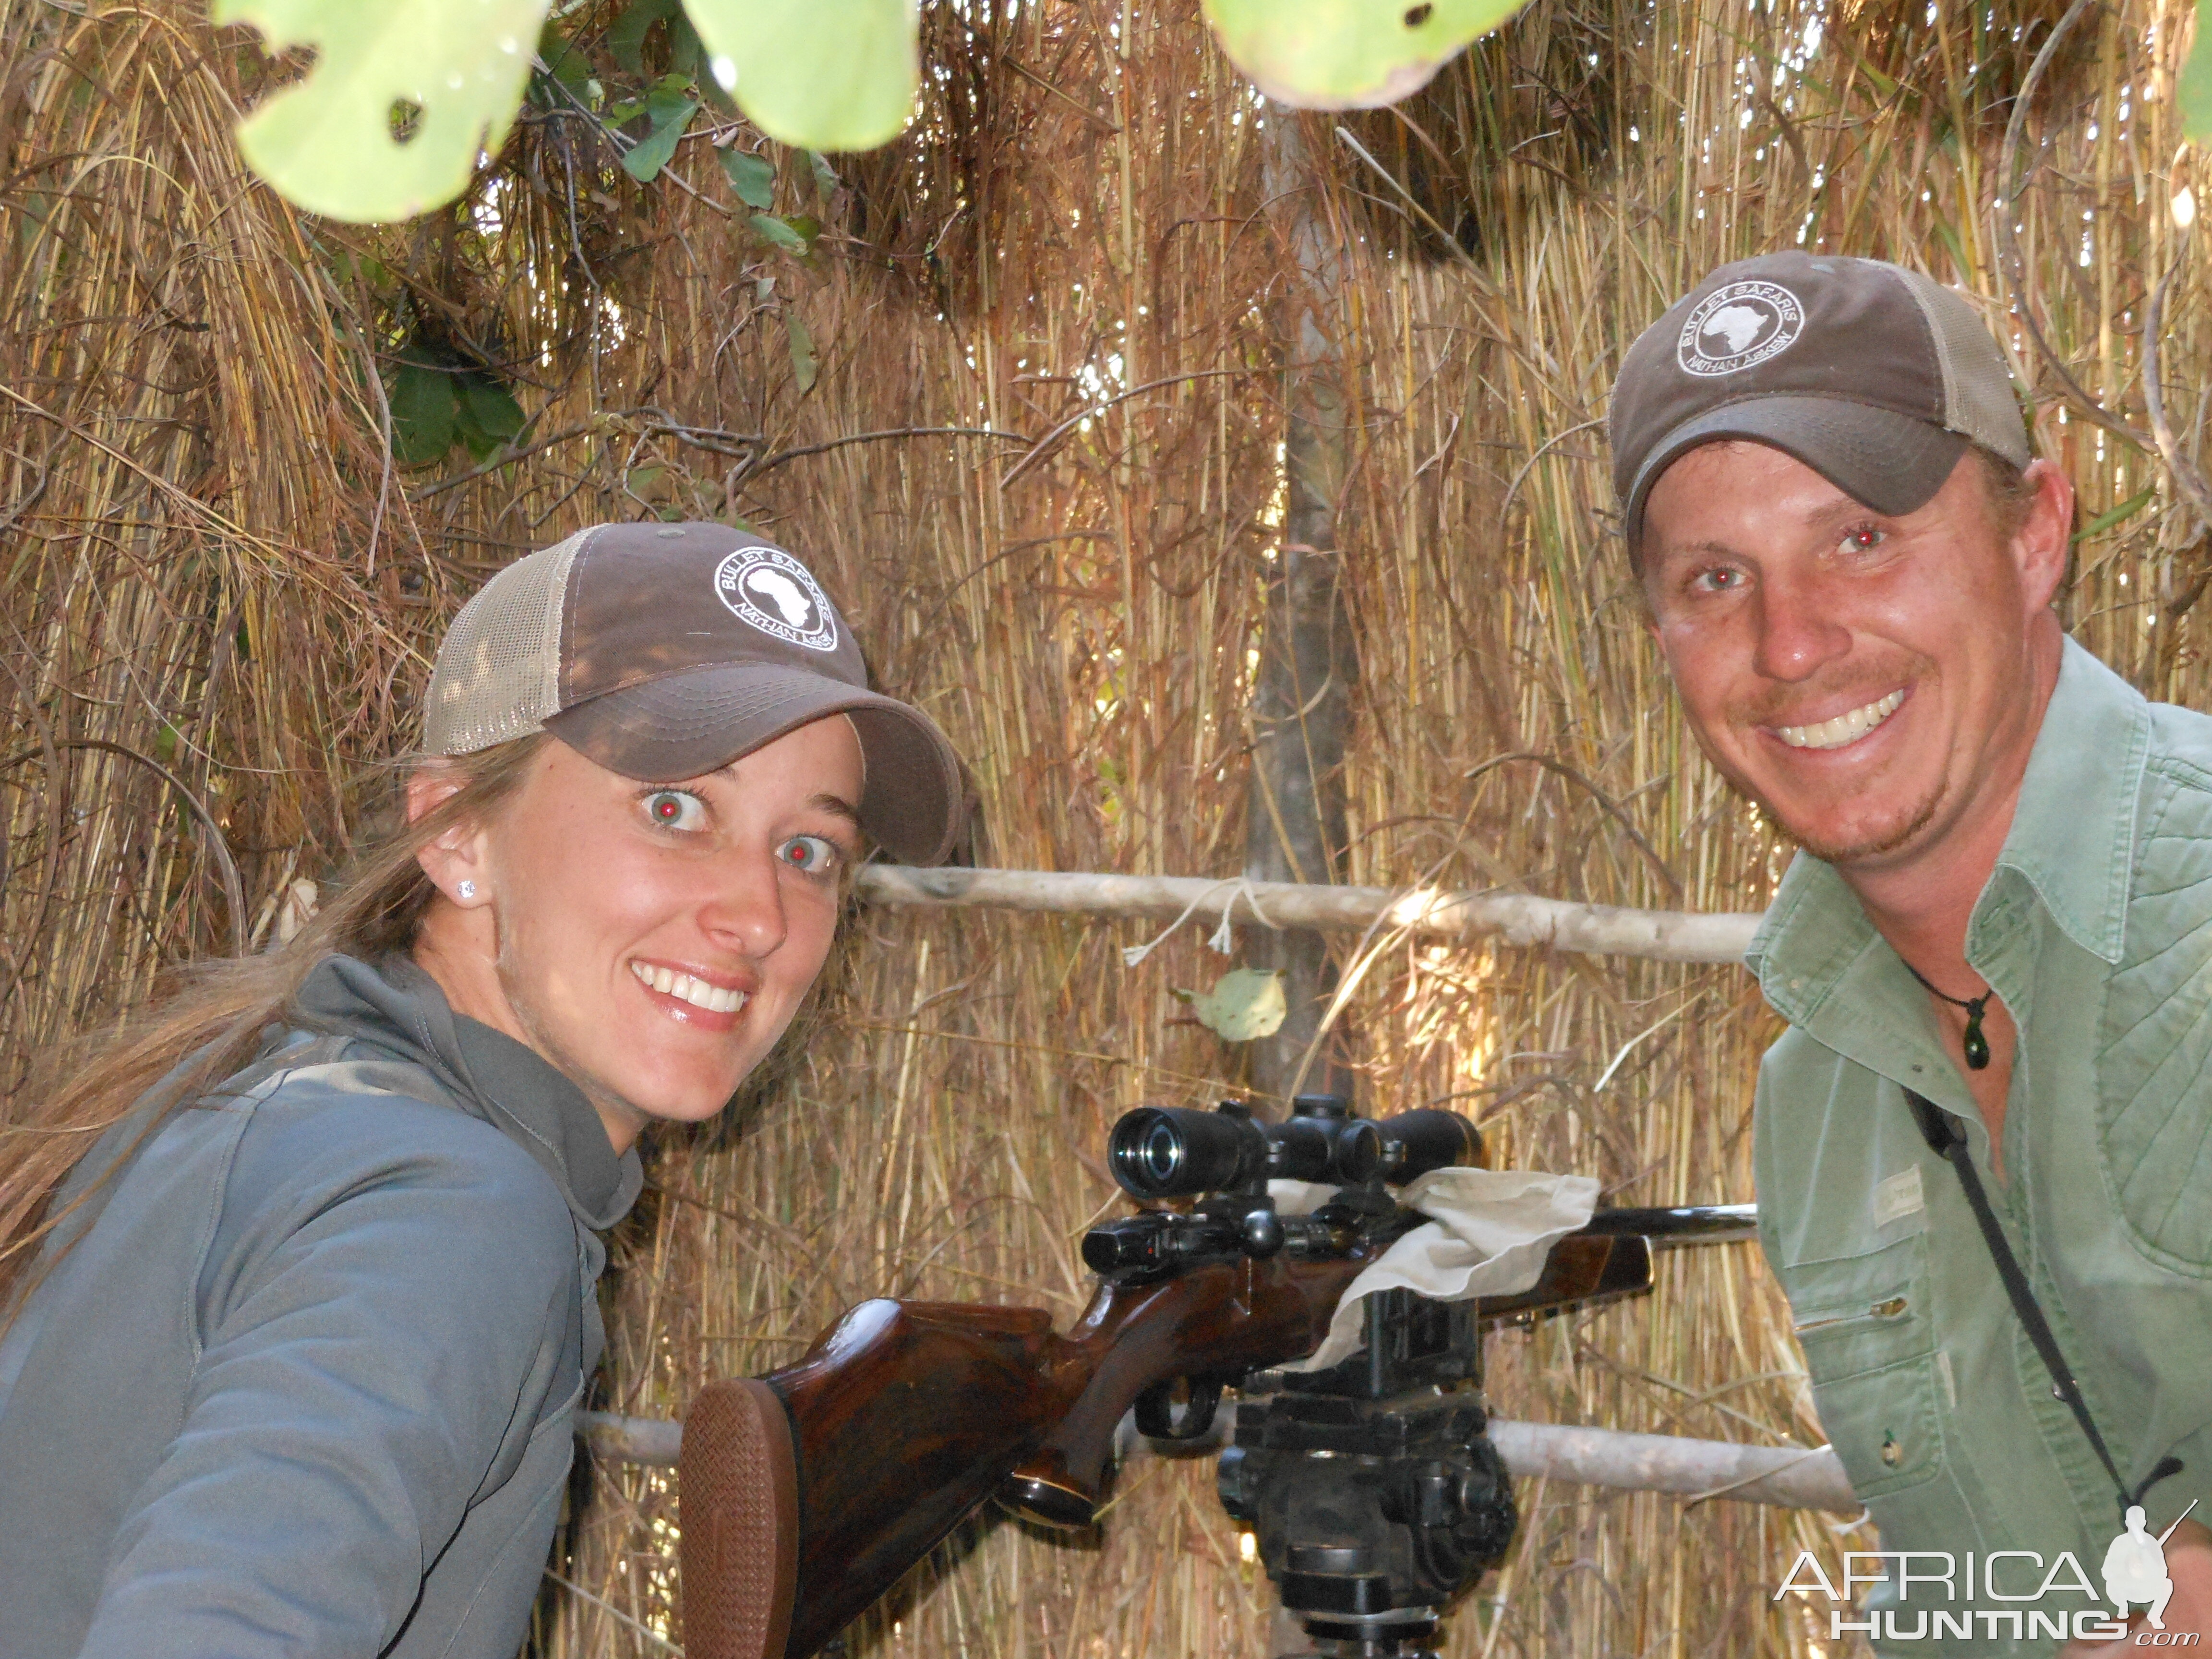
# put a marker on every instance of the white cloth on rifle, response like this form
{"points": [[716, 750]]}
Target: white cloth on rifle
{"points": [[1488, 1234]]}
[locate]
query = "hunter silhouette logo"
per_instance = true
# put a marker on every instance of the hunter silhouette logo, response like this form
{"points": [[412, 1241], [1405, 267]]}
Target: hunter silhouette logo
{"points": [[775, 594], [2135, 1567], [1739, 326]]}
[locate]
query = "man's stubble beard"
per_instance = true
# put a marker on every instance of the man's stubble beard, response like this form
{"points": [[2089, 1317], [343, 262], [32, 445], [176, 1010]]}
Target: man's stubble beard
{"points": [[1920, 672], [1840, 854]]}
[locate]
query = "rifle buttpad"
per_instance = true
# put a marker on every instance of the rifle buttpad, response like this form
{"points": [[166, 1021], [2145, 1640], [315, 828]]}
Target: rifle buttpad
{"points": [[737, 1508]]}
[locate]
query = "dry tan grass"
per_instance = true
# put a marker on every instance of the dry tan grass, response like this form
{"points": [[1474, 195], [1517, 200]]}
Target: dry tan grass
{"points": [[203, 539]]}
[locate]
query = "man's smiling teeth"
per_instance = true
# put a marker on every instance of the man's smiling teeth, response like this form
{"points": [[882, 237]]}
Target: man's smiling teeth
{"points": [[684, 989], [1845, 728]]}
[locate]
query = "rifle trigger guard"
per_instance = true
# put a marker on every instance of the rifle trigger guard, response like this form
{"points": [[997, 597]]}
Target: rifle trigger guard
{"points": [[1156, 1417]]}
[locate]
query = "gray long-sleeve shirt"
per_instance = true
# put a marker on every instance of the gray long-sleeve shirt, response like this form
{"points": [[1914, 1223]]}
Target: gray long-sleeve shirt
{"points": [[303, 1382]]}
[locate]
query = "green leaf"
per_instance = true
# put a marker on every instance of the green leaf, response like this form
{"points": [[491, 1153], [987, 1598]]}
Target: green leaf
{"points": [[2126, 510], [330, 142], [1244, 1003], [487, 416], [825, 179], [626, 36], [1348, 54], [2193, 87], [753, 177], [564, 64], [784, 233], [424, 412], [671, 108], [802, 351], [824, 75]]}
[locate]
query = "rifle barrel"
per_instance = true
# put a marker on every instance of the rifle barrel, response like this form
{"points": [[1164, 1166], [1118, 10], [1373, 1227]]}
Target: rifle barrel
{"points": [[1691, 1223]]}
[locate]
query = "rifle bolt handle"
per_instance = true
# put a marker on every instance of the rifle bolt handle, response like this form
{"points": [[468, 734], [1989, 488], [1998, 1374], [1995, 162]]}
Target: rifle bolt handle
{"points": [[1263, 1233]]}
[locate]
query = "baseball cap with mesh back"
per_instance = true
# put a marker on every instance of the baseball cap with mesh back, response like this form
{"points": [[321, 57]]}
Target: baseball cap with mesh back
{"points": [[664, 650], [1876, 377]]}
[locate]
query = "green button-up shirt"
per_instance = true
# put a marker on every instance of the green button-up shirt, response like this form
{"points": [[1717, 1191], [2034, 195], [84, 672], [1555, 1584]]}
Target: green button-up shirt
{"points": [[2095, 928]]}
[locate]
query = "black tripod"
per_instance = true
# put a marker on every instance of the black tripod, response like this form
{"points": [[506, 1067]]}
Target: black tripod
{"points": [[1373, 1488]]}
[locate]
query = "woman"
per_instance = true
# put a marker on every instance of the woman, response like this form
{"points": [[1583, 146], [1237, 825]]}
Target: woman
{"points": [[293, 1351]]}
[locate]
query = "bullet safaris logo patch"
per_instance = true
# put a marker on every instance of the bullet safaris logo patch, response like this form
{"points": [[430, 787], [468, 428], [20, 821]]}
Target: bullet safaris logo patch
{"points": [[1738, 327], [768, 588]]}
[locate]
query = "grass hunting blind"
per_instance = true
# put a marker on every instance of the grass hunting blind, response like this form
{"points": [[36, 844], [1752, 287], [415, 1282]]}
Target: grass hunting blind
{"points": [[1174, 442]]}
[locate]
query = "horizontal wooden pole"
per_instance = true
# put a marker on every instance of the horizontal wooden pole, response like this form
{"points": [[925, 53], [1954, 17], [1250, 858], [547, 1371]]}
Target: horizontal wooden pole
{"points": [[1428, 913], [1788, 1477]]}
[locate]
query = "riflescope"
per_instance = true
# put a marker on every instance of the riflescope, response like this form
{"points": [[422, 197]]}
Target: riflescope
{"points": [[1169, 1152]]}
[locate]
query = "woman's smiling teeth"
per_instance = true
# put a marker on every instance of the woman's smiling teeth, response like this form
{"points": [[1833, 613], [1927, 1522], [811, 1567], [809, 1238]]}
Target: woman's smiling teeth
{"points": [[697, 992], [1845, 728]]}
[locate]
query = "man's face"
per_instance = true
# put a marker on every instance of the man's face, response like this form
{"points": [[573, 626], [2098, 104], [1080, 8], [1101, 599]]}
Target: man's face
{"points": [[654, 941], [1870, 681]]}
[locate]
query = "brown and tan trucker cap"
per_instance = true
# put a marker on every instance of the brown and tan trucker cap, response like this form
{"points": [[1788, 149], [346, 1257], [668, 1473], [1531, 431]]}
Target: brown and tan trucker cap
{"points": [[1875, 377], [663, 651]]}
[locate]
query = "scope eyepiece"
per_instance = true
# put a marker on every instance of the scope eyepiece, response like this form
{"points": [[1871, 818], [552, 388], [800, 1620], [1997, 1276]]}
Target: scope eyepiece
{"points": [[1416, 1142]]}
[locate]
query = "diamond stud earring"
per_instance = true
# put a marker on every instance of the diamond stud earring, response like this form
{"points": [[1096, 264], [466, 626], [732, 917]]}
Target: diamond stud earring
{"points": [[467, 889]]}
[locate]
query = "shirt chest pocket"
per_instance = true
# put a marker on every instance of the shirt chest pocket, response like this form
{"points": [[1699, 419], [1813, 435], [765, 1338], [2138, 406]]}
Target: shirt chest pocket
{"points": [[1868, 1334]]}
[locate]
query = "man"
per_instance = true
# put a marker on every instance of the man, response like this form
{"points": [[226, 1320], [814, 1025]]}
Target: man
{"points": [[2001, 905]]}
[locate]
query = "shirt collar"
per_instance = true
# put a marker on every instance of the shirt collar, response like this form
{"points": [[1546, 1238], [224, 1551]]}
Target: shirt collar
{"points": [[2072, 841], [396, 1006]]}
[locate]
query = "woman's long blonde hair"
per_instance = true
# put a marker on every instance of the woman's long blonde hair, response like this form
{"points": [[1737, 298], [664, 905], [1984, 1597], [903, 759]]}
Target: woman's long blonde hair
{"points": [[217, 1012]]}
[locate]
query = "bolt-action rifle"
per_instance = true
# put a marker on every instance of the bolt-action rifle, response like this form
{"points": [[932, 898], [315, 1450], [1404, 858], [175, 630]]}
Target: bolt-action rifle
{"points": [[807, 1493]]}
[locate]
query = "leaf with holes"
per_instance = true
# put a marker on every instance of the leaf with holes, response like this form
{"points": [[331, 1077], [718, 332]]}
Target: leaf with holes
{"points": [[824, 75], [2194, 86], [753, 177], [670, 108], [1348, 54], [625, 36], [1245, 1003], [403, 96]]}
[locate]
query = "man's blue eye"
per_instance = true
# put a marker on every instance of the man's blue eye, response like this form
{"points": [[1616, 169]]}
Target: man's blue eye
{"points": [[675, 809], [812, 854]]}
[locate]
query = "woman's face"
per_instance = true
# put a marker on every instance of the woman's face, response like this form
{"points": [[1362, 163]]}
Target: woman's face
{"points": [[652, 941]]}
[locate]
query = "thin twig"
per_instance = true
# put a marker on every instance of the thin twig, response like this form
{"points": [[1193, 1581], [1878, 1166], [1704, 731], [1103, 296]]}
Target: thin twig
{"points": [[2015, 269], [2186, 474], [1091, 411], [782, 455]]}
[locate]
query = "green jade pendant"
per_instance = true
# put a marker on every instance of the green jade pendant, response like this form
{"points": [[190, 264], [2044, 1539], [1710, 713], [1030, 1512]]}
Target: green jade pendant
{"points": [[1976, 1046]]}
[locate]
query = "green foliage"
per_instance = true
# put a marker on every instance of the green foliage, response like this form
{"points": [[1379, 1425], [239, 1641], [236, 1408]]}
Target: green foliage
{"points": [[753, 177], [793, 234], [406, 94], [1348, 54], [803, 365], [626, 36], [824, 75], [669, 108], [402, 95], [2193, 87], [434, 406]]}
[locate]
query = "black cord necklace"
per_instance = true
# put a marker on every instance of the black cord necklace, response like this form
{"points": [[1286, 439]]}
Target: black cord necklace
{"points": [[1975, 1045]]}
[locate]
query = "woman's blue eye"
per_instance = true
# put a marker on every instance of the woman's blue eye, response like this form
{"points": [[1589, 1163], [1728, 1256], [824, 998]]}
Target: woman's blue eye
{"points": [[675, 808], [814, 855]]}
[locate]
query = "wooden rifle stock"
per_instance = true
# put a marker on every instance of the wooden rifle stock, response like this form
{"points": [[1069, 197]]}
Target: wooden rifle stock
{"points": [[905, 1416], [807, 1494]]}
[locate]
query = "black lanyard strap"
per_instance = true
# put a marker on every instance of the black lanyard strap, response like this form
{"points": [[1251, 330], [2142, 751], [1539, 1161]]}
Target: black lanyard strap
{"points": [[1944, 1136]]}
